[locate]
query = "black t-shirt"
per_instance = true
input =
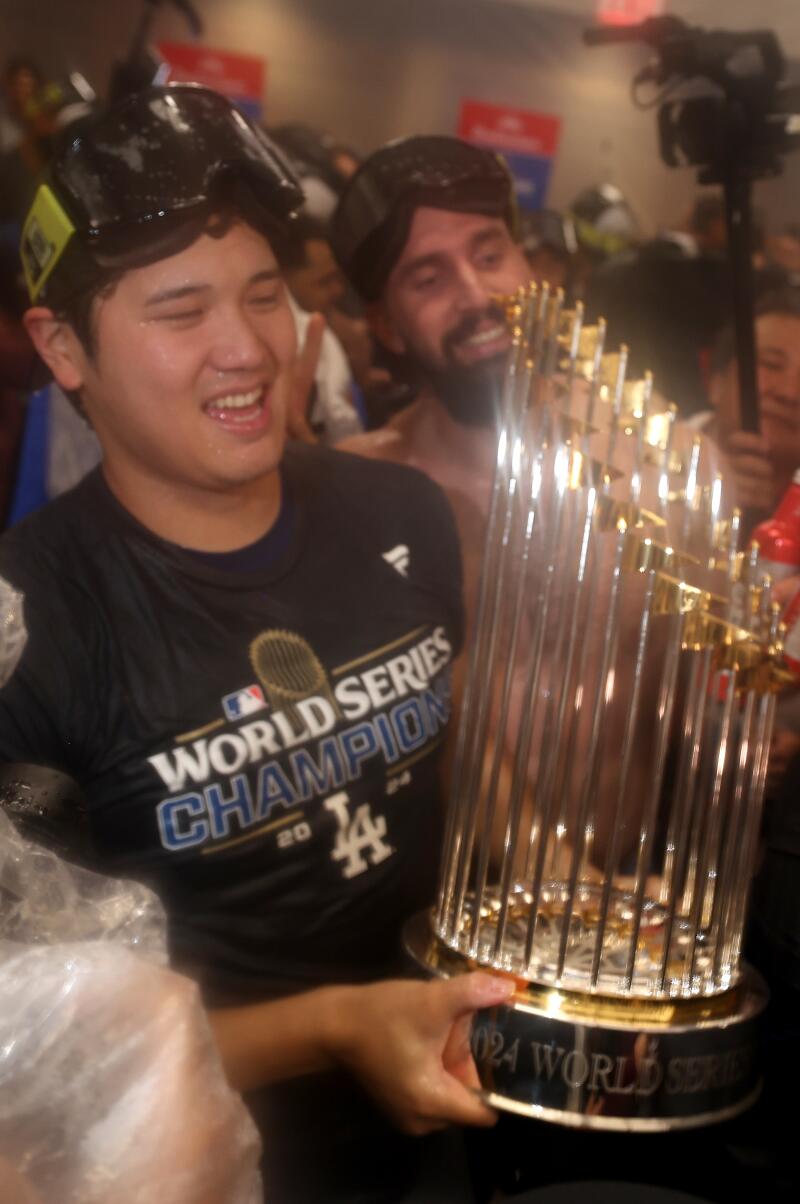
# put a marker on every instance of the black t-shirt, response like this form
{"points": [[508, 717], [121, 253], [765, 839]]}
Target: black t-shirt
{"points": [[261, 748], [258, 738]]}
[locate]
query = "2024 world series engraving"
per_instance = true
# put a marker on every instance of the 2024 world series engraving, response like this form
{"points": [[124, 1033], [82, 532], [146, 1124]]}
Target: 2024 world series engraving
{"points": [[645, 1069]]}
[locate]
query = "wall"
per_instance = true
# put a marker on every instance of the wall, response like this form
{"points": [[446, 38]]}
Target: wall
{"points": [[370, 70]]}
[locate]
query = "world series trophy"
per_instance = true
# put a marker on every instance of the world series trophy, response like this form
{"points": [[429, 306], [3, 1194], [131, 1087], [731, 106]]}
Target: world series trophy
{"points": [[611, 757]]}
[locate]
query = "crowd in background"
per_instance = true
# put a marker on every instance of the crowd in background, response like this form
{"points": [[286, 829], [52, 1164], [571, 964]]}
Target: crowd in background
{"points": [[666, 297]]}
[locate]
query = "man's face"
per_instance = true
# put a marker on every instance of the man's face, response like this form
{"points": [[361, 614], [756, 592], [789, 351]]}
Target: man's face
{"points": [[784, 250], [189, 382], [439, 305], [778, 383], [778, 346], [318, 284]]}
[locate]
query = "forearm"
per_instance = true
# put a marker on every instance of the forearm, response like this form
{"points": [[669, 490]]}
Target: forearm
{"points": [[267, 1042], [406, 1041]]}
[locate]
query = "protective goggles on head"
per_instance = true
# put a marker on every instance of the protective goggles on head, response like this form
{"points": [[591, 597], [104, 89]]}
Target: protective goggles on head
{"points": [[149, 163], [372, 220]]}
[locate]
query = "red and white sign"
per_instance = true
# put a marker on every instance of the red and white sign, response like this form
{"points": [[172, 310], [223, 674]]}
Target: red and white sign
{"points": [[240, 77], [527, 141], [518, 131], [627, 12]]}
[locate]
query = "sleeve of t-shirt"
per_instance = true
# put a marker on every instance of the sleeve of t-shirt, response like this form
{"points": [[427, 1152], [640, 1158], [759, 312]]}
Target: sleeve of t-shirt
{"points": [[437, 537]]}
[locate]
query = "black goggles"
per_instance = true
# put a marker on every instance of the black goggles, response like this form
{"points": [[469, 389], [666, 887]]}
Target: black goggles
{"points": [[444, 172], [154, 159], [165, 150]]}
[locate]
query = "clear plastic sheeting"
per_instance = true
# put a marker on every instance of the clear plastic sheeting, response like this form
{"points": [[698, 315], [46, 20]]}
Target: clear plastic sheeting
{"points": [[111, 1087], [12, 630], [46, 900]]}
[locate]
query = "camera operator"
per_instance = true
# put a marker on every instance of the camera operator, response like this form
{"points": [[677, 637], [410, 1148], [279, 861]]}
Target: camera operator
{"points": [[762, 462]]}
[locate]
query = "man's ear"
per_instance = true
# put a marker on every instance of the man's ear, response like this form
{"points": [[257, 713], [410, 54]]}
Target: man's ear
{"points": [[384, 329], [57, 345]]}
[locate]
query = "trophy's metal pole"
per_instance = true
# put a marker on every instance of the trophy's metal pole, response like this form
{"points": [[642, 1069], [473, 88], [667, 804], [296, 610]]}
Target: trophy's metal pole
{"points": [[489, 583], [666, 702], [481, 733], [599, 713]]}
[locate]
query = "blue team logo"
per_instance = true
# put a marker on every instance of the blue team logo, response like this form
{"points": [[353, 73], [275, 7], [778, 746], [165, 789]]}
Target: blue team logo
{"points": [[243, 702]]}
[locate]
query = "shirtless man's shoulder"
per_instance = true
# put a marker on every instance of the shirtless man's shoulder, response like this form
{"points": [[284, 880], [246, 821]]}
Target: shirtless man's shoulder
{"points": [[391, 442]]}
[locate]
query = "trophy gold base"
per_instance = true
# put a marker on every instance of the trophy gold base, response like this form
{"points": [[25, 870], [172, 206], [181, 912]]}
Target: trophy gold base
{"points": [[599, 1062]]}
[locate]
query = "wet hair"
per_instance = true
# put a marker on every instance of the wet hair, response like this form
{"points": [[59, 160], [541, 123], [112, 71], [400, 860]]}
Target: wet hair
{"points": [[372, 221], [100, 275], [785, 302]]}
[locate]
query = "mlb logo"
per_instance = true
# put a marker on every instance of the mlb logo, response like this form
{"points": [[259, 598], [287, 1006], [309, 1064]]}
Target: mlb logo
{"points": [[243, 702]]}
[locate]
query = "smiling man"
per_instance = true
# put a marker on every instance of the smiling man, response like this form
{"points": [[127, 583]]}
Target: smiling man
{"points": [[241, 650], [426, 232]]}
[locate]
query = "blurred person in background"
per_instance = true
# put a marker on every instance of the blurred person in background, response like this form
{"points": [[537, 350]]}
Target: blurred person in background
{"points": [[605, 226], [33, 112], [17, 360], [762, 463], [22, 154], [550, 244], [345, 160], [668, 299], [314, 277], [782, 253], [324, 167], [316, 284], [322, 164], [352, 385], [703, 231], [17, 356], [22, 86]]}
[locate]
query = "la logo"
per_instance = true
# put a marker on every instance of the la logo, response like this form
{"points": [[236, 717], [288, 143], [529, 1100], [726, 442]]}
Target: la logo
{"points": [[360, 838]]}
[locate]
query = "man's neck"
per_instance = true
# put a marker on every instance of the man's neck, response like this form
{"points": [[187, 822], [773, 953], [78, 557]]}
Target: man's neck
{"points": [[471, 447], [204, 520]]}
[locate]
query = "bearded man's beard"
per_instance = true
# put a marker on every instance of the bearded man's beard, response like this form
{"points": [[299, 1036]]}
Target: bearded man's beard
{"points": [[470, 392]]}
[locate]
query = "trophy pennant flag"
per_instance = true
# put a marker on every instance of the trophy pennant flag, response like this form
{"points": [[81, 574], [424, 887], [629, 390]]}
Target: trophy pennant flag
{"points": [[611, 756]]}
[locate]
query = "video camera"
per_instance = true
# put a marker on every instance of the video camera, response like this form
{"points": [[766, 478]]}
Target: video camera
{"points": [[736, 132], [748, 113]]}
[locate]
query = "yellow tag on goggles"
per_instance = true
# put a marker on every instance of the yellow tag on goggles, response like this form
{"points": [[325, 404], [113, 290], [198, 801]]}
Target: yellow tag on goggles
{"points": [[45, 235]]}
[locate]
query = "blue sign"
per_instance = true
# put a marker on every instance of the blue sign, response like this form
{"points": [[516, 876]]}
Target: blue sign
{"points": [[531, 177]]}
